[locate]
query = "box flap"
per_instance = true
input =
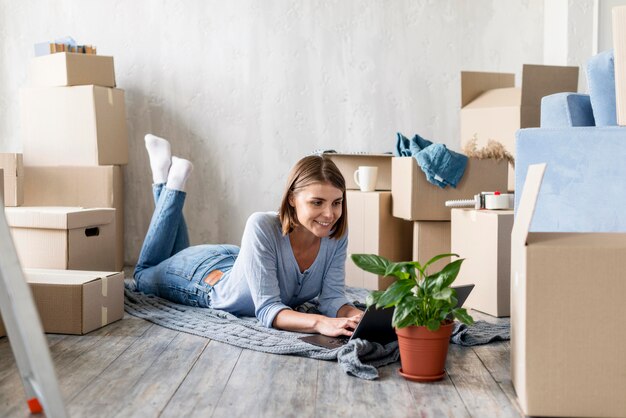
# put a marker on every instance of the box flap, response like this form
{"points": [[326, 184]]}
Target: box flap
{"points": [[64, 277], [528, 201], [12, 164], [539, 81], [504, 97], [473, 84], [57, 217], [356, 155]]}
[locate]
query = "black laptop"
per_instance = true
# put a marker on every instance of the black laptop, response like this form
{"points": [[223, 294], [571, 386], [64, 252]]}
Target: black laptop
{"points": [[375, 326]]}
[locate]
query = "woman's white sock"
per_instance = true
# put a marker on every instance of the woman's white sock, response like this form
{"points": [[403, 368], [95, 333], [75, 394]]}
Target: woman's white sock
{"points": [[179, 173], [160, 157]]}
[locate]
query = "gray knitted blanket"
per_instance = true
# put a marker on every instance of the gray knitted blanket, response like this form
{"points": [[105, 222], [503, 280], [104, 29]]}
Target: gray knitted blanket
{"points": [[359, 358]]}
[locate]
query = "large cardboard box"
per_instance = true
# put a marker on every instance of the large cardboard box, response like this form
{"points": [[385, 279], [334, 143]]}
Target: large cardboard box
{"points": [[88, 187], [349, 163], [76, 302], [567, 299], [70, 69], [483, 239], [619, 51], [82, 125], [372, 230], [64, 237], [415, 199], [493, 108], [13, 168], [431, 238]]}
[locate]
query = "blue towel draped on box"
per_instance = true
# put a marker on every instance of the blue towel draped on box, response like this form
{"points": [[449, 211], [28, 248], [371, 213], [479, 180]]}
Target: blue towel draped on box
{"points": [[441, 166]]}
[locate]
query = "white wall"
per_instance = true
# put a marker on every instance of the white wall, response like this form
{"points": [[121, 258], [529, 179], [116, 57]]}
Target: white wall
{"points": [[245, 88]]}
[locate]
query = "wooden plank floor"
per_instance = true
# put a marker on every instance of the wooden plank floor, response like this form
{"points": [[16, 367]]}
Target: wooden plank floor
{"points": [[133, 368]]}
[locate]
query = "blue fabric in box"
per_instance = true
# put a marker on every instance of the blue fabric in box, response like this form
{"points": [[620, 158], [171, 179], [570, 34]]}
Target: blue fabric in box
{"points": [[584, 187]]}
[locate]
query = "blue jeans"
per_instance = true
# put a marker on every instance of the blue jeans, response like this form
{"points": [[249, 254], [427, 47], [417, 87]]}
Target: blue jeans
{"points": [[168, 267]]}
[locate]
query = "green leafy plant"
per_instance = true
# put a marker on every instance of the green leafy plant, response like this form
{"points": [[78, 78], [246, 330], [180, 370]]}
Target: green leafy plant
{"points": [[419, 299]]}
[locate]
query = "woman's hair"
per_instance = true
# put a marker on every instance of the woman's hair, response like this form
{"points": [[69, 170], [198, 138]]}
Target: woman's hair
{"points": [[309, 170]]}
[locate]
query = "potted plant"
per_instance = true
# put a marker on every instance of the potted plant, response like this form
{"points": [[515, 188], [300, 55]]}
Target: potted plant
{"points": [[425, 306]]}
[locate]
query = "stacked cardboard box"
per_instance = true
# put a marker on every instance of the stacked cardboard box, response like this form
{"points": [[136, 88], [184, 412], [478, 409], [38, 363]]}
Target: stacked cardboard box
{"points": [[75, 138], [493, 108], [483, 238], [373, 230], [75, 302]]}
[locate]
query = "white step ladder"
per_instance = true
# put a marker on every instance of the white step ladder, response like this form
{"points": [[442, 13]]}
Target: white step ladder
{"points": [[25, 332]]}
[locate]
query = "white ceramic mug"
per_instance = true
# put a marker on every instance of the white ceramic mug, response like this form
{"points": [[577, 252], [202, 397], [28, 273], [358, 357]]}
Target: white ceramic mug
{"points": [[365, 177]]}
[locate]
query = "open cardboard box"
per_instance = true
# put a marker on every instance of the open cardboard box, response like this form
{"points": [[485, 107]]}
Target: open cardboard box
{"points": [[75, 302], [88, 187], [493, 108], [71, 69], [415, 199], [567, 302]]}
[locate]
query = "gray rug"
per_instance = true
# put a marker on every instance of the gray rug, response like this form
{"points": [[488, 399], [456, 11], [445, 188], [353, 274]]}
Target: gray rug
{"points": [[358, 358]]}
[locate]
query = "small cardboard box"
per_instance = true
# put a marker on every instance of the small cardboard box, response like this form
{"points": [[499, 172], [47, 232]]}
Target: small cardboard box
{"points": [[64, 237], [349, 163], [493, 108], [76, 302], [567, 298], [88, 187], [431, 238], [70, 69], [81, 126], [373, 230], [415, 199], [483, 239], [619, 52], [13, 168]]}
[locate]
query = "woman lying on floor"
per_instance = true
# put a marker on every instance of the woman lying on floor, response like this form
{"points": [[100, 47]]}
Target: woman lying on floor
{"points": [[286, 258]]}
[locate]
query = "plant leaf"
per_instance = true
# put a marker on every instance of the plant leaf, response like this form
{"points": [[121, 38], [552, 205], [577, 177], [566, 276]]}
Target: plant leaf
{"points": [[444, 294], [433, 324], [462, 315], [395, 293], [437, 258], [450, 272], [371, 263], [373, 297]]}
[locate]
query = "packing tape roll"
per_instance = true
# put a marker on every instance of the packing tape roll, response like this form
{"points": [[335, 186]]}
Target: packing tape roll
{"points": [[498, 201], [104, 316], [105, 287]]}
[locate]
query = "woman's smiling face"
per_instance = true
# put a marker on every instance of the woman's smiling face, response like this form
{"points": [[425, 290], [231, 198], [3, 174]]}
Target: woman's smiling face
{"points": [[318, 207]]}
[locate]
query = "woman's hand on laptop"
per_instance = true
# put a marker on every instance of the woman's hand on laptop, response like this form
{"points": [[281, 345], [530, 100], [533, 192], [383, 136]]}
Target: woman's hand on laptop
{"points": [[336, 327]]}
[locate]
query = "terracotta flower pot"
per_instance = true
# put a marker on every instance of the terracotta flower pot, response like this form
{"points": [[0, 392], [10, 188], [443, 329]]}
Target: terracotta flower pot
{"points": [[423, 353]]}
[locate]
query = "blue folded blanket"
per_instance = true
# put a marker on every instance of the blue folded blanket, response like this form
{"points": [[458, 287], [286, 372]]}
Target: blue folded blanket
{"points": [[441, 166]]}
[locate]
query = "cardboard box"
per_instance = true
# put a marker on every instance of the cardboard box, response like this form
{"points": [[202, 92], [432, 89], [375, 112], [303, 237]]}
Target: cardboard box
{"points": [[431, 238], [13, 168], [349, 163], [493, 108], [567, 298], [373, 230], [483, 239], [70, 69], [88, 187], [81, 126], [415, 199], [64, 237], [76, 302], [619, 53]]}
